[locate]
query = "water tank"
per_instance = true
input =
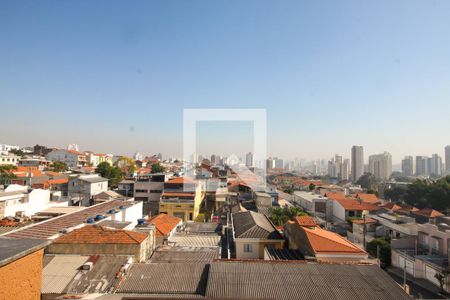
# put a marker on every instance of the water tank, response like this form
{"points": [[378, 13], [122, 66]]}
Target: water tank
{"points": [[141, 221], [121, 207], [90, 221], [111, 211], [99, 217]]}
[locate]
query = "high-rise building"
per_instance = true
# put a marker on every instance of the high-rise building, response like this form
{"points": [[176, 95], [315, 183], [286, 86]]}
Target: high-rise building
{"points": [[279, 163], [357, 162], [435, 165], [380, 165], [270, 163], [422, 167], [447, 159], [338, 162], [249, 159], [345, 169], [408, 166], [332, 171]]}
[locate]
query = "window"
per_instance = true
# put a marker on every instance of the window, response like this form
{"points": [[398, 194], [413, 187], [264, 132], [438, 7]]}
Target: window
{"points": [[155, 191], [248, 248], [141, 191], [141, 198]]}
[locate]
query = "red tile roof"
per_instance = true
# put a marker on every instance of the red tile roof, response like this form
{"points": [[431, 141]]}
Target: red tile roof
{"points": [[305, 221], [361, 221], [22, 171], [75, 152], [428, 212], [350, 204], [368, 198], [180, 180], [52, 173], [164, 224], [335, 196], [326, 242], [391, 206], [94, 234], [58, 181]]}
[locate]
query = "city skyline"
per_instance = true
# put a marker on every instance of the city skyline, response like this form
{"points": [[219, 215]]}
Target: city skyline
{"points": [[121, 85]]}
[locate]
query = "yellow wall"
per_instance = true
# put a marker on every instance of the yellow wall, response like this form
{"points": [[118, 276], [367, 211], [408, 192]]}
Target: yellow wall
{"points": [[186, 209]]}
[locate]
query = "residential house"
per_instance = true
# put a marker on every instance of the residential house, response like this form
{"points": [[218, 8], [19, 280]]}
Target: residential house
{"points": [[252, 232], [83, 188], [427, 254], [126, 187], [319, 244], [425, 215], [18, 199], [394, 226], [34, 161], [101, 240], [312, 203], [345, 208], [107, 196], [165, 226], [182, 198], [73, 159], [148, 189], [9, 159]]}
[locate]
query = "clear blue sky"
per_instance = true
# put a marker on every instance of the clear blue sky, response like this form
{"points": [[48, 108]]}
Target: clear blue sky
{"points": [[114, 76]]}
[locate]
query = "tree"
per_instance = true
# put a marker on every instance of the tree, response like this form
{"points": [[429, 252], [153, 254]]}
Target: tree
{"points": [[312, 186], [384, 248], [396, 193], [280, 215], [441, 277], [17, 152], [6, 174], [157, 168], [429, 194], [368, 181], [58, 166], [126, 165], [112, 173]]}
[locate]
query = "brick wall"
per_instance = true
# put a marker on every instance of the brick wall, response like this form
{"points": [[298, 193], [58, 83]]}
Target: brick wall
{"points": [[22, 278]]}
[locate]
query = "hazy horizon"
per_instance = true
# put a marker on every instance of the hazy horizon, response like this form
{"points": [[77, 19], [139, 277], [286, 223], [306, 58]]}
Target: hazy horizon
{"points": [[114, 77]]}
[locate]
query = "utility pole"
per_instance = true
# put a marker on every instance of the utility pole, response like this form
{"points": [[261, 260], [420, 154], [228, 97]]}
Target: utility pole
{"points": [[404, 274], [364, 232]]}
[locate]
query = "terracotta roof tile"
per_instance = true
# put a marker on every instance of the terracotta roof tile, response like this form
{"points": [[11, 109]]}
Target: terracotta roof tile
{"points": [[351, 204], [335, 196], [391, 206], [164, 224], [323, 242], [361, 221], [305, 221], [428, 212], [368, 198], [179, 180]]}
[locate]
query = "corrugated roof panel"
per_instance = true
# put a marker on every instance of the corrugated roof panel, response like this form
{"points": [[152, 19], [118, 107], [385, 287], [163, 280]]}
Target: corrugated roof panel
{"points": [[59, 272]]}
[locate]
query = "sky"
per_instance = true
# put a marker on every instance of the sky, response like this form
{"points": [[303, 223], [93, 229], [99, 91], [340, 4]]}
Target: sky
{"points": [[115, 76]]}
